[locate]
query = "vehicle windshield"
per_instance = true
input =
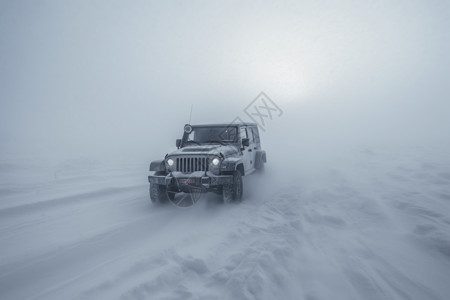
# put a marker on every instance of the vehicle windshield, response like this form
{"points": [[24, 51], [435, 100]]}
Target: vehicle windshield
{"points": [[216, 134]]}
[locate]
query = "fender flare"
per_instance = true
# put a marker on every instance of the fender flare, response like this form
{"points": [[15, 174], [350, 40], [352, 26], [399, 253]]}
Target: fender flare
{"points": [[157, 165], [232, 164]]}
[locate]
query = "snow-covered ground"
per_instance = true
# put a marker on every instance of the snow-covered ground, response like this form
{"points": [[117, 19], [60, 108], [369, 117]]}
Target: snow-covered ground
{"points": [[371, 224]]}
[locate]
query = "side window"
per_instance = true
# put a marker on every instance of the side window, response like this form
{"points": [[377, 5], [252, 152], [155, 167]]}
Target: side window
{"points": [[243, 133], [255, 135], [250, 135]]}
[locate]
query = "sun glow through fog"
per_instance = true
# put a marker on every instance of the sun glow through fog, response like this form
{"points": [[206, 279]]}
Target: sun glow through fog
{"points": [[131, 62]]}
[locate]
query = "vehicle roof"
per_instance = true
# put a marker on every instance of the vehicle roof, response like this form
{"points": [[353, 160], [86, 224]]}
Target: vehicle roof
{"points": [[225, 124]]}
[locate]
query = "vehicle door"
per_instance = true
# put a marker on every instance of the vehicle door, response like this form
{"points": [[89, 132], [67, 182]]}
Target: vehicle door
{"points": [[256, 140], [248, 152]]}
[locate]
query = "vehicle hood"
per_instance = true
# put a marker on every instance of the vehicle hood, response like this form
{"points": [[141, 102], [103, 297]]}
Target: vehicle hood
{"points": [[212, 149]]}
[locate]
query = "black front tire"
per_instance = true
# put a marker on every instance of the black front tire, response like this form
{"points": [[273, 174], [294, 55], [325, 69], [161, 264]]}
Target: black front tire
{"points": [[158, 193], [233, 192]]}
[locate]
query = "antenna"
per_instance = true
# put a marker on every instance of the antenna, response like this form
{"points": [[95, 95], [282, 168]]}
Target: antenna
{"points": [[190, 115]]}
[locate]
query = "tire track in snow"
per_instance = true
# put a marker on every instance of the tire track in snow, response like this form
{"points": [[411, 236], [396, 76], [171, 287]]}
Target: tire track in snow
{"points": [[32, 233], [10, 212], [62, 267]]}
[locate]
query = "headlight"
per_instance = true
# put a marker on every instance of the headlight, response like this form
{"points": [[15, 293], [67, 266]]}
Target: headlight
{"points": [[215, 161], [170, 162]]}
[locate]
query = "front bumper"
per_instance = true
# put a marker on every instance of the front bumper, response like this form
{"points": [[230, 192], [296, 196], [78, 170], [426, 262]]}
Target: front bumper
{"points": [[199, 179]]}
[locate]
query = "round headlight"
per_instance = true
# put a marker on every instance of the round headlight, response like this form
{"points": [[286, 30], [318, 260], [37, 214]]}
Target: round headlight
{"points": [[170, 162], [216, 161]]}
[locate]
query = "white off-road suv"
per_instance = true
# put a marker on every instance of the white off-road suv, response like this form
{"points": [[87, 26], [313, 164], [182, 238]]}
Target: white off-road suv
{"points": [[209, 158]]}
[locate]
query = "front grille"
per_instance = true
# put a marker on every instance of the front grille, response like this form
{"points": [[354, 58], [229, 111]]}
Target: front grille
{"points": [[191, 164]]}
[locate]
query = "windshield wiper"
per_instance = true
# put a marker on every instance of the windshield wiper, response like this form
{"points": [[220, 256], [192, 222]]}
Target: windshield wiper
{"points": [[220, 142], [192, 141]]}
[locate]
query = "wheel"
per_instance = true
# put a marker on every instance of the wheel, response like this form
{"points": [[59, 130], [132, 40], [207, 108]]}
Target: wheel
{"points": [[260, 162], [158, 193], [233, 192]]}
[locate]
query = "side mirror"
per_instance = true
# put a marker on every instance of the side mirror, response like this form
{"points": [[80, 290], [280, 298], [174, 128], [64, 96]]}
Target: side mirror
{"points": [[178, 143], [245, 142]]}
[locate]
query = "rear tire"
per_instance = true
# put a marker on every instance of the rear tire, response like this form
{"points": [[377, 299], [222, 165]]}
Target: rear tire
{"points": [[233, 192], [260, 170]]}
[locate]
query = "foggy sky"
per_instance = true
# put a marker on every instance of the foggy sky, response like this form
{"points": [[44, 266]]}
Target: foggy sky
{"points": [[118, 78]]}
